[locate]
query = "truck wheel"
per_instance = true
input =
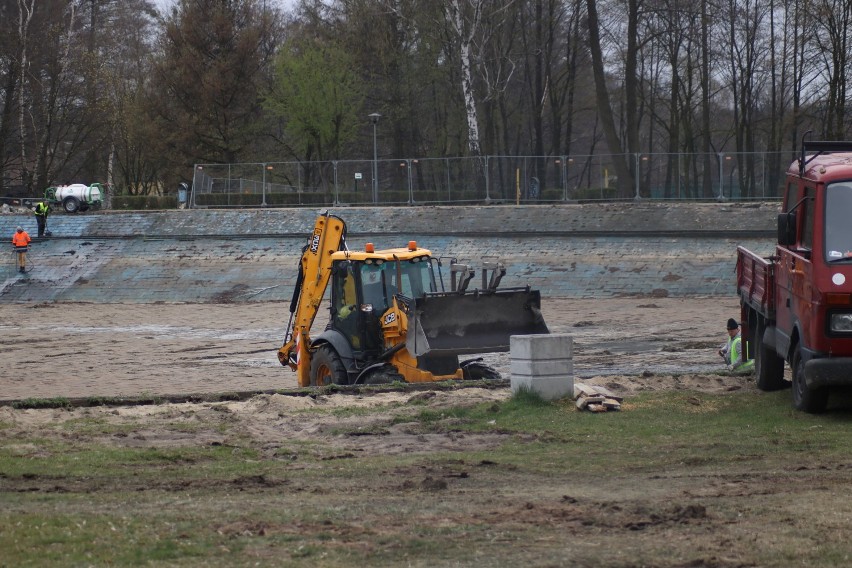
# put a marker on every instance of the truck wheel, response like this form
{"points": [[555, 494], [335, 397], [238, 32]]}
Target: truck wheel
{"points": [[383, 375], [327, 368], [480, 372], [806, 399], [768, 366], [71, 204]]}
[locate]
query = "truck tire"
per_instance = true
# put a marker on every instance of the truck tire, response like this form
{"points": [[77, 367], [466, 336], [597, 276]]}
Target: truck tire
{"points": [[768, 365], [327, 368], [383, 375], [476, 371], [811, 400], [71, 204]]}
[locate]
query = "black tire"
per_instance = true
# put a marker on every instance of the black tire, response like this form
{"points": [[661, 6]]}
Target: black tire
{"points": [[480, 372], [768, 365], [384, 375], [71, 204], [811, 400], [84, 206], [327, 367]]}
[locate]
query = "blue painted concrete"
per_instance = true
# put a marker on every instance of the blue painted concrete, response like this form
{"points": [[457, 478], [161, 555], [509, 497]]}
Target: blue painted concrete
{"points": [[600, 250]]}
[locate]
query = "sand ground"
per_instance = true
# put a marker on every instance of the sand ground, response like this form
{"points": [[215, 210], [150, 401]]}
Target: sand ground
{"points": [[90, 350]]}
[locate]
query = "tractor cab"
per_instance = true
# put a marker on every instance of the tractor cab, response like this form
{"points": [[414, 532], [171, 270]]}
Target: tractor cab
{"points": [[366, 285]]}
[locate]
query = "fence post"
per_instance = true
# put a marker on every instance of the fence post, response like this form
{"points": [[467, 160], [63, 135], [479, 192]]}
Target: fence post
{"points": [[336, 195], [449, 181], [487, 183], [263, 186], [637, 157], [410, 188], [191, 200], [564, 178]]}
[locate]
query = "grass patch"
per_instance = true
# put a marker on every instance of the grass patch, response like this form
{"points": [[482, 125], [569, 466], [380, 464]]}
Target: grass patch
{"points": [[675, 478], [58, 402]]}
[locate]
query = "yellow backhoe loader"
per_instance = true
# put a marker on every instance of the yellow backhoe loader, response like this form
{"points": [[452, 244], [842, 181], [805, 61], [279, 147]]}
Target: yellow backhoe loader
{"points": [[391, 318]]}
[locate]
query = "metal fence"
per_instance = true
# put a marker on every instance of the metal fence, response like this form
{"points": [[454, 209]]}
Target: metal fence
{"points": [[490, 179]]}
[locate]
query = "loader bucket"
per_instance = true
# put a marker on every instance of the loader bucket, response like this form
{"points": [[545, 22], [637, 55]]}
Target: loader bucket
{"points": [[476, 322]]}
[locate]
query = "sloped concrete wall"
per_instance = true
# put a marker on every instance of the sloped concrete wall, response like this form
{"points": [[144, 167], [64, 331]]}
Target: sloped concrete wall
{"points": [[599, 250]]}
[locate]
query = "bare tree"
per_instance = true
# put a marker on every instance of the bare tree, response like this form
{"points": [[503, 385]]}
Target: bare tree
{"points": [[834, 19], [605, 107]]}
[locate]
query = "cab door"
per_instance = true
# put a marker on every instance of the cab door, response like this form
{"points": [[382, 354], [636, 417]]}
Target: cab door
{"points": [[345, 312], [795, 268]]}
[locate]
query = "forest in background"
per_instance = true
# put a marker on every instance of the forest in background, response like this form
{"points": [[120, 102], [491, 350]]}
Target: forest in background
{"points": [[117, 91]]}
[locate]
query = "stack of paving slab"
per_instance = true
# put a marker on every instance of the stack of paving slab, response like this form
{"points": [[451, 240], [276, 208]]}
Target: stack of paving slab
{"points": [[596, 398]]}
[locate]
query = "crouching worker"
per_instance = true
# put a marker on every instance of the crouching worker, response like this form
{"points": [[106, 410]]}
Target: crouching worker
{"points": [[736, 358], [21, 242]]}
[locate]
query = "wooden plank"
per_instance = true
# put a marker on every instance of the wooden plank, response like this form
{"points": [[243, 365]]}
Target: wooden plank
{"points": [[608, 394], [583, 390]]}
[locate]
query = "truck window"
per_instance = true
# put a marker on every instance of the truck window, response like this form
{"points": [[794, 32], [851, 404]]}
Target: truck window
{"points": [[791, 197], [416, 278], [838, 229], [808, 211], [344, 300], [373, 282]]}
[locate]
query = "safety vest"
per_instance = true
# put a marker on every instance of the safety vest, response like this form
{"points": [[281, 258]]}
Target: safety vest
{"points": [[20, 239], [740, 361], [42, 209]]}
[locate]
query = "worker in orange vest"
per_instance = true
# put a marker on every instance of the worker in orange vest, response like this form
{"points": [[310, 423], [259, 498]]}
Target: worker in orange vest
{"points": [[21, 242]]}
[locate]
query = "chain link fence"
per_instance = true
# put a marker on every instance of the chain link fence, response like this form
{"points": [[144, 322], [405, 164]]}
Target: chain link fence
{"points": [[491, 179]]}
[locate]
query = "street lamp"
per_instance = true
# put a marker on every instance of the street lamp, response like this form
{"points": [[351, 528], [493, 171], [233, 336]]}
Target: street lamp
{"points": [[196, 182], [266, 168], [374, 118]]}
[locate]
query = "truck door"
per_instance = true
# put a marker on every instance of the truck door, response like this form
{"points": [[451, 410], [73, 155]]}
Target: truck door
{"points": [[795, 269], [344, 300]]}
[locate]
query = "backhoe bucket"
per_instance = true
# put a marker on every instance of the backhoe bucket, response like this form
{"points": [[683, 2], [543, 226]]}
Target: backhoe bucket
{"points": [[476, 322]]}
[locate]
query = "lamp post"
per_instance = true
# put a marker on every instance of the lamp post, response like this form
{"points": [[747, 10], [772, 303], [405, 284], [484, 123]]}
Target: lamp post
{"points": [[374, 118], [196, 181], [266, 168]]}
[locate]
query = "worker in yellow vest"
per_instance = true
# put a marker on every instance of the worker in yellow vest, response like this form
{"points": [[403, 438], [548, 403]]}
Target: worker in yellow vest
{"points": [[42, 210], [735, 356]]}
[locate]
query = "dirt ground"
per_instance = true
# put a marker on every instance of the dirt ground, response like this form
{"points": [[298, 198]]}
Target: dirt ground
{"points": [[110, 350], [628, 345], [113, 350], [142, 350]]}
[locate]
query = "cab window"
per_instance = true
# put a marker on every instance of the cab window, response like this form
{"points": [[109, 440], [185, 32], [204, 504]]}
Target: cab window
{"points": [[808, 213], [791, 197], [838, 229]]}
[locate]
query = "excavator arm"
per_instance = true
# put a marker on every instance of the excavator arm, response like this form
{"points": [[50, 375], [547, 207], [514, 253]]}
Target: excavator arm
{"points": [[328, 237]]}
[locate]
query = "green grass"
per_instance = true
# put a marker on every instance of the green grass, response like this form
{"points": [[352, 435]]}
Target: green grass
{"points": [[77, 501]]}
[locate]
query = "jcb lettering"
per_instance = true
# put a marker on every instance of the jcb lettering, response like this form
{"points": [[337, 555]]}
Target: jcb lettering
{"points": [[390, 318], [315, 241]]}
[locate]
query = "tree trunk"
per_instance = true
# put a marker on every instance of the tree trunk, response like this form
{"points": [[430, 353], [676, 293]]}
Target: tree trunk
{"points": [[607, 118], [465, 35]]}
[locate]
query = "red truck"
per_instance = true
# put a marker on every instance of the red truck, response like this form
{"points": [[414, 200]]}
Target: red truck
{"points": [[797, 304]]}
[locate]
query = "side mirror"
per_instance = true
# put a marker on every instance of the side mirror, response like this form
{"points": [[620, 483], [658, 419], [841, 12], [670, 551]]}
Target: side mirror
{"points": [[787, 228]]}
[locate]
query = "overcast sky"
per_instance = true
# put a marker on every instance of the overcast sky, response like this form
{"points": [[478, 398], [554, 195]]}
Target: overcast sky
{"points": [[285, 4]]}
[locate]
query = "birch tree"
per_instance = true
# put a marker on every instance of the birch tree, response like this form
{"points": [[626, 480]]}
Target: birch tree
{"points": [[464, 18]]}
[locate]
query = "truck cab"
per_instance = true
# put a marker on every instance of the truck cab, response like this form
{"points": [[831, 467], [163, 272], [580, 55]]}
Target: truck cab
{"points": [[797, 305]]}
